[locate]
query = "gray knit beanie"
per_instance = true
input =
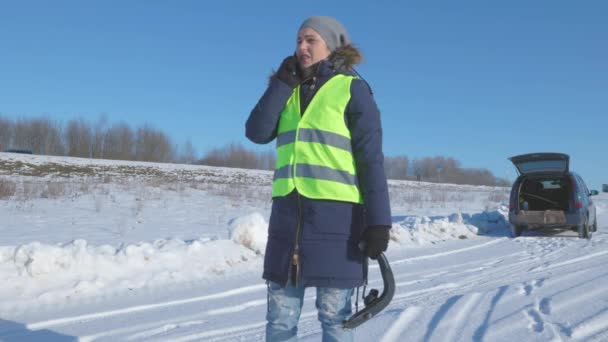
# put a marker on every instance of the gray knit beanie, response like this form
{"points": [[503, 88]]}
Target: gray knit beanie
{"points": [[330, 29]]}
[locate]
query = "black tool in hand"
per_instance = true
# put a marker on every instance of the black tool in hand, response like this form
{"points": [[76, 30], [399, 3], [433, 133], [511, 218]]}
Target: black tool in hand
{"points": [[373, 303]]}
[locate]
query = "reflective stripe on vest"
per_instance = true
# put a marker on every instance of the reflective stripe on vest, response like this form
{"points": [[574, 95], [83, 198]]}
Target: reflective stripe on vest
{"points": [[314, 151]]}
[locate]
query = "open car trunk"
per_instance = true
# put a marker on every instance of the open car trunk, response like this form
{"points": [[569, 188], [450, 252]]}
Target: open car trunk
{"points": [[544, 200], [533, 164]]}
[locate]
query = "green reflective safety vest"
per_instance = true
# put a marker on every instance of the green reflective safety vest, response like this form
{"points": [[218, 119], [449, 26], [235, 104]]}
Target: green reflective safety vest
{"points": [[314, 153]]}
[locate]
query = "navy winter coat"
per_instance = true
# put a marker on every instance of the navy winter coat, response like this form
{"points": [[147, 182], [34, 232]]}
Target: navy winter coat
{"points": [[329, 230]]}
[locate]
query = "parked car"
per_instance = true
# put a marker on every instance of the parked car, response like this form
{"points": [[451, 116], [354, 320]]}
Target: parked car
{"points": [[17, 150], [605, 187], [546, 194]]}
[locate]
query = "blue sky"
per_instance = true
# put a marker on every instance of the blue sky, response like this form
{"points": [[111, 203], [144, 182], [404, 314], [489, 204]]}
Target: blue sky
{"points": [[479, 81]]}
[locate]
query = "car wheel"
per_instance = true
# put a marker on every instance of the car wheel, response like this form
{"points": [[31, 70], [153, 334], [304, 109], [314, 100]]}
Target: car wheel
{"points": [[516, 230], [583, 231]]}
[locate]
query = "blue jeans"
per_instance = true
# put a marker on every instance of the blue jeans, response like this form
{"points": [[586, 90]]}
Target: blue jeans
{"points": [[285, 306]]}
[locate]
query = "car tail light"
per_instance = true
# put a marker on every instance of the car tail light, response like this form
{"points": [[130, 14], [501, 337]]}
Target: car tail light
{"points": [[511, 206], [578, 205]]}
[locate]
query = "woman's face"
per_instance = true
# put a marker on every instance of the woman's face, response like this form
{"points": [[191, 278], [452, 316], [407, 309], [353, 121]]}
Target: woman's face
{"points": [[310, 47]]}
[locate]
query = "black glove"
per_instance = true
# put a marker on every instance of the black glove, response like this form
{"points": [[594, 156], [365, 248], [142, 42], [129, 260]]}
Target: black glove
{"points": [[375, 240], [288, 72]]}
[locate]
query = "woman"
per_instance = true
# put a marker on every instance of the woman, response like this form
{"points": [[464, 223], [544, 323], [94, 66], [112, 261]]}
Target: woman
{"points": [[329, 188]]}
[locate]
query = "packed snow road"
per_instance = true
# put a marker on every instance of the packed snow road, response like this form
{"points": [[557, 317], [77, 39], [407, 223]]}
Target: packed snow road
{"points": [[539, 287]]}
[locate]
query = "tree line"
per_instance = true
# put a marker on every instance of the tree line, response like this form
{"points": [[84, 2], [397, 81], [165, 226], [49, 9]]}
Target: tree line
{"points": [[439, 169], [99, 139], [81, 138]]}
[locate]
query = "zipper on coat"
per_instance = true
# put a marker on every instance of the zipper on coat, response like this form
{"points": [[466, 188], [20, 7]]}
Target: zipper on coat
{"points": [[294, 271], [308, 95]]}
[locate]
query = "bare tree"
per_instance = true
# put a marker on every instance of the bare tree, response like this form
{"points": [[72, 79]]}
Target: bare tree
{"points": [[6, 129], [232, 155], [78, 139], [396, 167], [119, 142], [153, 145], [53, 142], [187, 154], [424, 169], [448, 170], [21, 135], [99, 136], [479, 177], [266, 160], [41, 135], [435, 169]]}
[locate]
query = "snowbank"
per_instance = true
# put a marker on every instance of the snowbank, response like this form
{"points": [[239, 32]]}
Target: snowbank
{"points": [[421, 230], [54, 272], [250, 231], [44, 272]]}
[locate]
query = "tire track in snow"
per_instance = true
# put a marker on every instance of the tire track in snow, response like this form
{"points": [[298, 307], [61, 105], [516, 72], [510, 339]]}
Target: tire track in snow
{"points": [[147, 307], [442, 254], [575, 301], [495, 276], [182, 322], [440, 316], [218, 334], [462, 313], [140, 308], [499, 275], [258, 328], [415, 293], [147, 334], [481, 331], [514, 268], [547, 306], [400, 325], [595, 325], [575, 260], [233, 332], [489, 272], [447, 289], [539, 315], [135, 328], [312, 314], [432, 290], [465, 267], [500, 271]]}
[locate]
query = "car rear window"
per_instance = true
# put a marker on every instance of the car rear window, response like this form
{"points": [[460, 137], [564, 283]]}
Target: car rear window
{"points": [[541, 165]]}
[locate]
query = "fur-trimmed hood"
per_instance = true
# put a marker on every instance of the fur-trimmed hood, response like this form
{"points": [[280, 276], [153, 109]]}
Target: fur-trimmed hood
{"points": [[342, 60], [345, 58]]}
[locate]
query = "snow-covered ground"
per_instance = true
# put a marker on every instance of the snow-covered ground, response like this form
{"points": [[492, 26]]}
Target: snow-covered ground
{"points": [[124, 251]]}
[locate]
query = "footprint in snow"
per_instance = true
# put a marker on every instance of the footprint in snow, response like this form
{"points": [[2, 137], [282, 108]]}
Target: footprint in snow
{"points": [[536, 322], [527, 288], [544, 306]]}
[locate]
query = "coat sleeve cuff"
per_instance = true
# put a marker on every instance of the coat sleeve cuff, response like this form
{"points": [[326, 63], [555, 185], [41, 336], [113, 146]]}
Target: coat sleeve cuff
{"points": [[377, 209]]}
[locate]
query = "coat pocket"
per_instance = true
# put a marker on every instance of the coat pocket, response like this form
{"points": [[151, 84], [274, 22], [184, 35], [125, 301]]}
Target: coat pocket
{"points": [[329, 220]]}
